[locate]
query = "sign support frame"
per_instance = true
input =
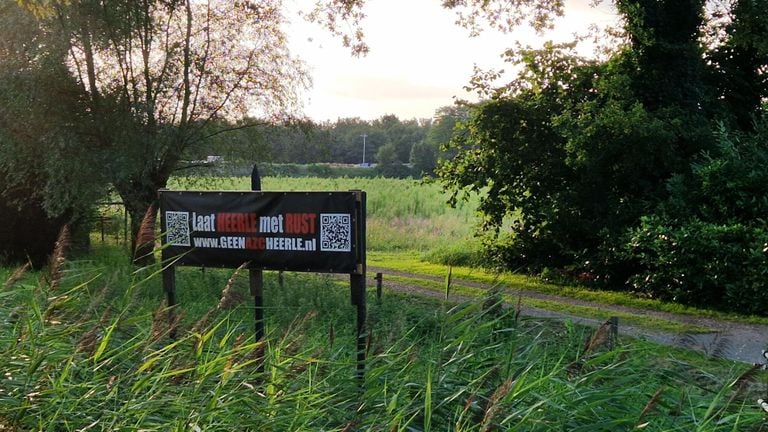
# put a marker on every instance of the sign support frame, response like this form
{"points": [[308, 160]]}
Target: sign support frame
{"points": [[357, 285], [169, 286], [256, 276], [357, 281]]}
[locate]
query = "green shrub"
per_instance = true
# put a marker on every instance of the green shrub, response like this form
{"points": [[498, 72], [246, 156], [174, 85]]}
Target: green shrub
{"points": [[702, 264], [708, 243], [394, 170], [465, 254]]}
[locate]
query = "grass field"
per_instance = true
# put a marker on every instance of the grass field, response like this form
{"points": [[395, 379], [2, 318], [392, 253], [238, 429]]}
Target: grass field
{"points": [[86, 346]]}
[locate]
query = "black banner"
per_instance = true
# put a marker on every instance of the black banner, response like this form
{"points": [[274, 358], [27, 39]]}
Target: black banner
{"points": [[296, 231]]}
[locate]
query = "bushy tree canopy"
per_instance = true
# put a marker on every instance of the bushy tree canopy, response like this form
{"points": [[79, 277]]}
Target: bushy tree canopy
{"points": [[575, 153]]}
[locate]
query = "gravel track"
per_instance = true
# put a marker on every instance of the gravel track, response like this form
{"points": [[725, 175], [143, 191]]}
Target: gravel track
{"points": [[727, 339]]}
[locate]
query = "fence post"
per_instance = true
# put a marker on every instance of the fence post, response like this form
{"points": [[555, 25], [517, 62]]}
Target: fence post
{"points": [[614, 331], [379, 282]]}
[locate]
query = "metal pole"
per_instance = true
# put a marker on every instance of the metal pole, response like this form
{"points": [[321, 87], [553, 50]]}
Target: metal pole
{"points": [[364, 137], [357, 283]]}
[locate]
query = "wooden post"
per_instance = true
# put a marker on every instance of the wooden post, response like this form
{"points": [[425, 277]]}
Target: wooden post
{"points": [[169, 281], [614, 338], [101, 222], [169, 286], [280, 279], [357, 286], [379, 282], [256, 276]]}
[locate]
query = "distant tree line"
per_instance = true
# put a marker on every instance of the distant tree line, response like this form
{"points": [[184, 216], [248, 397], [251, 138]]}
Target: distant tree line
{"points": [[399, 147]]}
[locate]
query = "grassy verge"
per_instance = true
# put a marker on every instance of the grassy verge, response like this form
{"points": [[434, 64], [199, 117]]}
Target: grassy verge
{"points": [[412, 262], [89, 349], [595, 313]]}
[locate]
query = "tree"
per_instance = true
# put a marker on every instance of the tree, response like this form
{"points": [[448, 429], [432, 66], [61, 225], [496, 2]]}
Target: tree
{"points": [[423, 158], [665, 49], [510, 149], [42, 184], [706, 245], [344, 17], [157, 76], [387, 155], [577, 151], [740, 61], [389, 163], [443, 127], [402, 135]]}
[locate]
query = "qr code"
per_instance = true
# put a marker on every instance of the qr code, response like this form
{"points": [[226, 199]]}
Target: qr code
{"points": [[335, 232], [177, 228]]}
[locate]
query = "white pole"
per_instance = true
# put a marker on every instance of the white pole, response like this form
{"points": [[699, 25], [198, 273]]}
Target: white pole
{"points": [[364, 137]]}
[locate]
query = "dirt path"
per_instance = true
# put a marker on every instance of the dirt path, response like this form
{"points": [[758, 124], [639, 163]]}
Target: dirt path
{"points": [[728, 339]]}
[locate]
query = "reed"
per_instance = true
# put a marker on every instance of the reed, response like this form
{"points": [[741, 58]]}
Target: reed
{"points": [[58, 257], [16, 275], [145, 237], [107, 365]]}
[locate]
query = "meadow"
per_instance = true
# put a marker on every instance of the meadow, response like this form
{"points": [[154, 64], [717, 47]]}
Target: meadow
{"points": [[403, 215], [85, 345]]}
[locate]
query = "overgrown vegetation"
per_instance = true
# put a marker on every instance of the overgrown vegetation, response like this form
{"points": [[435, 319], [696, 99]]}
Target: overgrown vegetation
{"points": [[88, 346]]}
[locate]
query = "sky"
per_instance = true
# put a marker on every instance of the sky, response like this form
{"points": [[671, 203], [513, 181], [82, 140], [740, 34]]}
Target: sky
{"points": [[419, 59]]}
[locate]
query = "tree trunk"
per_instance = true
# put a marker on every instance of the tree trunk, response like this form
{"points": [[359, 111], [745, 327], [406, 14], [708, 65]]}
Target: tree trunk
{"points": [[80, 229]]}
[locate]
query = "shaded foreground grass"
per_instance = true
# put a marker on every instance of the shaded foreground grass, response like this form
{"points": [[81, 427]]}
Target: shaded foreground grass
{"points": [[95, 353]]}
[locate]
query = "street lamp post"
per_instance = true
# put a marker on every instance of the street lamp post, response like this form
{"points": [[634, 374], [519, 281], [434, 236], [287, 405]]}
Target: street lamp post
{"points": [[364, 137]]}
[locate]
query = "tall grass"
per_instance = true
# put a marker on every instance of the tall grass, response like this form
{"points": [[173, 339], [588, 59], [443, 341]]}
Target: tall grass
{"points": [[95, 355]]}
